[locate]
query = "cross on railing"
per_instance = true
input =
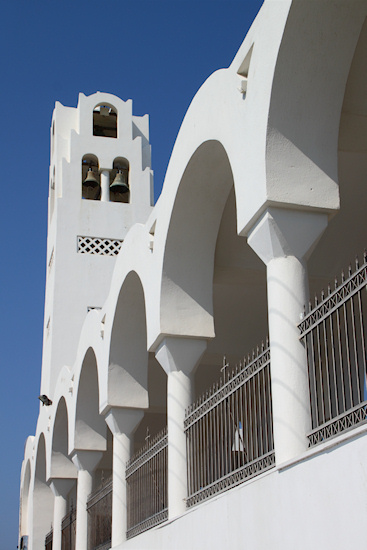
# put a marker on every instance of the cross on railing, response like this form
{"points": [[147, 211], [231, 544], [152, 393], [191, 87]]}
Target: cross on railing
{"points": [[224, 367]]}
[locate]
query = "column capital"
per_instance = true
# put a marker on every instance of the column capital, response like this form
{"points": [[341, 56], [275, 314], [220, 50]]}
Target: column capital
{"points": [[86, 460], [281, 232], [180, 354], [122, 420], [61, 487]]}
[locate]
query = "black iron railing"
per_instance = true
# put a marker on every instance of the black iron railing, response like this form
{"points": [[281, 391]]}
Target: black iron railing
{"points": [[48, 540], [146, 479], [334, 334], [68, 530], [229, 430], [99, 506]]}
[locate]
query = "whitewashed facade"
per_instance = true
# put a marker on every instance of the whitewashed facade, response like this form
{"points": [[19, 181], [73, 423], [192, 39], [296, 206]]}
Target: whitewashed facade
{"points": [[263, 204]]}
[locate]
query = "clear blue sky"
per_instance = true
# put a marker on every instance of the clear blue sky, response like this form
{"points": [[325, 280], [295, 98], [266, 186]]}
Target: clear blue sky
{"points": [[158, 53]]}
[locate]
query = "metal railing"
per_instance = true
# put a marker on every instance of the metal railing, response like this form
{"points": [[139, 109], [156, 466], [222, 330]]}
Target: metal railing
{"points": [[68, 530], [146, 480], [99, 507], [335, 339], [229, 430], [48, 540]]}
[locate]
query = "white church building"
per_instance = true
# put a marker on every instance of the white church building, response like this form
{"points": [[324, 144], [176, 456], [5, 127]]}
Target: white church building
{"points": [[195, 393]]}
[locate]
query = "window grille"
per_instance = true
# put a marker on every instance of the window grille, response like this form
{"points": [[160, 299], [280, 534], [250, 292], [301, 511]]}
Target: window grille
{"points": [[96, 245]]}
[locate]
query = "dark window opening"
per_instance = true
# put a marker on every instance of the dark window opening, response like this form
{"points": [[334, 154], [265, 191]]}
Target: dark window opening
{"points": [[104, 121]]}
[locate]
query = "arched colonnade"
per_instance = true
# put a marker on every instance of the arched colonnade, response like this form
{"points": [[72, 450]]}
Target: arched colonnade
{"points": [[252, 190]]}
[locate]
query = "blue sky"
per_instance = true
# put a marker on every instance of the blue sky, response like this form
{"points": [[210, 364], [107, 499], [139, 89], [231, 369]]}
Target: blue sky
{"points": [[158, 53]]}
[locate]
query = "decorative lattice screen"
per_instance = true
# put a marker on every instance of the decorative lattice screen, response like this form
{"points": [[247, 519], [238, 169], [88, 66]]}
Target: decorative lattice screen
{"points": [[96, 245]]}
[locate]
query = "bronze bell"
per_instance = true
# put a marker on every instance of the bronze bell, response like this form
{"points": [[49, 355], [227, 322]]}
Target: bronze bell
{"points": [[91, 186], [119, 186]]}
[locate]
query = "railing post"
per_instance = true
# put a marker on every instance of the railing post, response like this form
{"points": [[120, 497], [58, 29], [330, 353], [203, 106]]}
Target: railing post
{"points": [[86, 462], [121, 422], [178, 357], [283, 239], [60, 488]]}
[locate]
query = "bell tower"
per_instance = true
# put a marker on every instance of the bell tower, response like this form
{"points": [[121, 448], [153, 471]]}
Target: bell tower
{"points": [[101, 183]]}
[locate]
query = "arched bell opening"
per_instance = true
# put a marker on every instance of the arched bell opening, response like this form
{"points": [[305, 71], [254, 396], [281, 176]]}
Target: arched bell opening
{"points": [[105, 121], [91, 184], [119, 177], [24, 500], [43, 498]]}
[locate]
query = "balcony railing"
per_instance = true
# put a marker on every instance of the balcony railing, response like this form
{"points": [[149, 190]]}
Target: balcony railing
{"points": [[229, 430], [68, 530], [334, 335], [48, 540], [146, 479], [99, 506]]}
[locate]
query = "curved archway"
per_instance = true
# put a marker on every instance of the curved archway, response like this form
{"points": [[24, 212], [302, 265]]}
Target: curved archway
{"points": [[61, 465], [304, 112], [348, 227], [90, 427], [214, 285], [128, 360], [188, 266], [43, 499], [24, 498]]}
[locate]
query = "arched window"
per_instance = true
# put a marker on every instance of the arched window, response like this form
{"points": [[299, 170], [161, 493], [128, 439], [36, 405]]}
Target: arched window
{"points": [[91, 186], [119, 177], [105, 121]]}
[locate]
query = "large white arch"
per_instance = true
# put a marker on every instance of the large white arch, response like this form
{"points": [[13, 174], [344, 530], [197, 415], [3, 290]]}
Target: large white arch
{"points": [[128, 354], [90, 429]]}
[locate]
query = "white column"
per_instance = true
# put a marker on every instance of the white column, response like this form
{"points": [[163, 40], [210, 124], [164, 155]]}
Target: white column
{"points": [[121, 422], [283, 239], [60, 488], [86, 462], [178, 357], [105, 185]]}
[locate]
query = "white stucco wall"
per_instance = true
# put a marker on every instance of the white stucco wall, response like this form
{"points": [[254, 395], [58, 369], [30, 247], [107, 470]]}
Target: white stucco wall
{"points": [[319, 502]]}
